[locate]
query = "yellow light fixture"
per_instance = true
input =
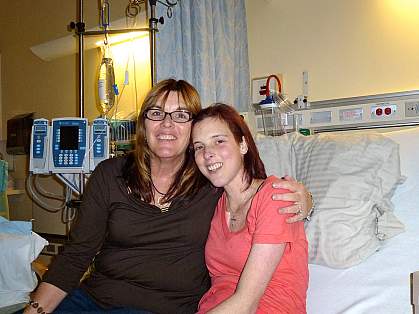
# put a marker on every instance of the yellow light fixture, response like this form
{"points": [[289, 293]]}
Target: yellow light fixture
{"points": [[130, 57], [120, 38], [67, 45]]}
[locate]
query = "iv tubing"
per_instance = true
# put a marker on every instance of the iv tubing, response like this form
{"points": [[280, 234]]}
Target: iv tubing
{"points": [[268, 93], [37, 199], [44, 192]]}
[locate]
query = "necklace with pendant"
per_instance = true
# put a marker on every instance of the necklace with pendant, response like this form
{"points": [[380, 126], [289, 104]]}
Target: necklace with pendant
{"points": [[234, 219], [164, 207]]}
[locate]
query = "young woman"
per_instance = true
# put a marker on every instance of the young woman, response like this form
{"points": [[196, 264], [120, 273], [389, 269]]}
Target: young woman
{"points": [[257, 262]]}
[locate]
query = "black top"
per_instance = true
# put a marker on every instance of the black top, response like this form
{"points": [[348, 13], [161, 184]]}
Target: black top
{"points": [[145, 259]]}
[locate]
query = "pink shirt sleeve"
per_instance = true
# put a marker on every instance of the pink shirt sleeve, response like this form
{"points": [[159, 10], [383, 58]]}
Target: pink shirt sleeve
{"points": [[265, 222]]}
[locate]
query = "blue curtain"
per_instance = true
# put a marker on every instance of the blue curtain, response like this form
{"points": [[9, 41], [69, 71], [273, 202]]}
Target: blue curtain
{"points": [[205, 43]]}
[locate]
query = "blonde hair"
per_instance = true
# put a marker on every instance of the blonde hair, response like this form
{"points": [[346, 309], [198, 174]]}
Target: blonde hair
{"points": [[137, 173]]}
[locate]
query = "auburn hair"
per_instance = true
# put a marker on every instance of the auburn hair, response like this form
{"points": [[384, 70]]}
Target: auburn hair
{"points": [[253, 164], [136, 173]]}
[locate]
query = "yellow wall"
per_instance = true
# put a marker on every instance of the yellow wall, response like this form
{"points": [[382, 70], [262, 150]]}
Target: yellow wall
{"points": [[349, 47]]}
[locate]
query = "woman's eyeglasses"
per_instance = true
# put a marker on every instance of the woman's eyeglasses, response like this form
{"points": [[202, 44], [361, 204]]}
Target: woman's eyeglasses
{"points": [[179, 116]]}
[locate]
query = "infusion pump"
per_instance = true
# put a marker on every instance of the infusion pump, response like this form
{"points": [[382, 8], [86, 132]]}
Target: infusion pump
{"points": [[68, 145]]}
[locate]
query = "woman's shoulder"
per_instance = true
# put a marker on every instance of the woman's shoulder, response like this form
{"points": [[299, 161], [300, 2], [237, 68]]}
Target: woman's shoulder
{"points": [[266, 191], [267, 186], [112, 166], [205, 192]]}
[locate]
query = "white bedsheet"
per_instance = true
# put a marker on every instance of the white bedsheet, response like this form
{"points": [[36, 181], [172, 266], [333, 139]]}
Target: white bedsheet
{"points": [[19, 246], [381, 284]]}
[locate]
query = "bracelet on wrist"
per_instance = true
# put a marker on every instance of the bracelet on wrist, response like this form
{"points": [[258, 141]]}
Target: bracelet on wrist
{"points": [[310, 212], [35, 305]]}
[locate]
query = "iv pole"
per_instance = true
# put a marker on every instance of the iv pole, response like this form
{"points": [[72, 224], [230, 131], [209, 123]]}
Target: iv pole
{"points": [[81, 82], [79, 28], [153, 29], [81, 32]]}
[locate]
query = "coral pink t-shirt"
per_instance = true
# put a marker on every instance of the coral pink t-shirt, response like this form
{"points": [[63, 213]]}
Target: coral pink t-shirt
{"points": [[226, 254]]}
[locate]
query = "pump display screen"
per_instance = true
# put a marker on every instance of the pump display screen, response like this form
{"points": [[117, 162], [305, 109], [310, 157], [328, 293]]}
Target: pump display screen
{"points": [[100, 129], [40, 128], [69, 137]]}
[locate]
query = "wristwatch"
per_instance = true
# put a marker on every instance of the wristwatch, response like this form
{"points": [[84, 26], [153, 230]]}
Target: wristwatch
{"points": [[311, 210]]}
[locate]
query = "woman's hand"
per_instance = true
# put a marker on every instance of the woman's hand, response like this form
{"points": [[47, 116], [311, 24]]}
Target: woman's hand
{"points": [[47, 297], [303, 202]]}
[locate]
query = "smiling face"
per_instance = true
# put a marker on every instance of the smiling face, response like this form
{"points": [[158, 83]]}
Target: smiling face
{"points": [[218, 155], [168, 140]]}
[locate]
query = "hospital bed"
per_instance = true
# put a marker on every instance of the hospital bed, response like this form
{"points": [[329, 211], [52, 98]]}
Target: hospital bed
{"points": [[364, 232]]}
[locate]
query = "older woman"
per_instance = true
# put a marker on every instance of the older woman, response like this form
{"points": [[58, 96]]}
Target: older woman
{"points": [[143, 222]]}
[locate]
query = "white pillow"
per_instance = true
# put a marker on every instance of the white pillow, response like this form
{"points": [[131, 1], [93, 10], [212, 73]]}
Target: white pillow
{"points": [[352, 178], [406, 196], [277, 154]]}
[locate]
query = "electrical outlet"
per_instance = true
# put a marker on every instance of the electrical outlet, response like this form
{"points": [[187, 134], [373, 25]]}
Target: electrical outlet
{"points": [[383, 111], [411, 108]]}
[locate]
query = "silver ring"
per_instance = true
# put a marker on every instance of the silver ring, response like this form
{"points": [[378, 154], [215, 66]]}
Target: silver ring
{"points": [[299, 211]]}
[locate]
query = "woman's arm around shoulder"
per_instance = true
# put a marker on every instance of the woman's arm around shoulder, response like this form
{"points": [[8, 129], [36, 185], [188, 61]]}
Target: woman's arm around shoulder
{"points": [[302, 200]]}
